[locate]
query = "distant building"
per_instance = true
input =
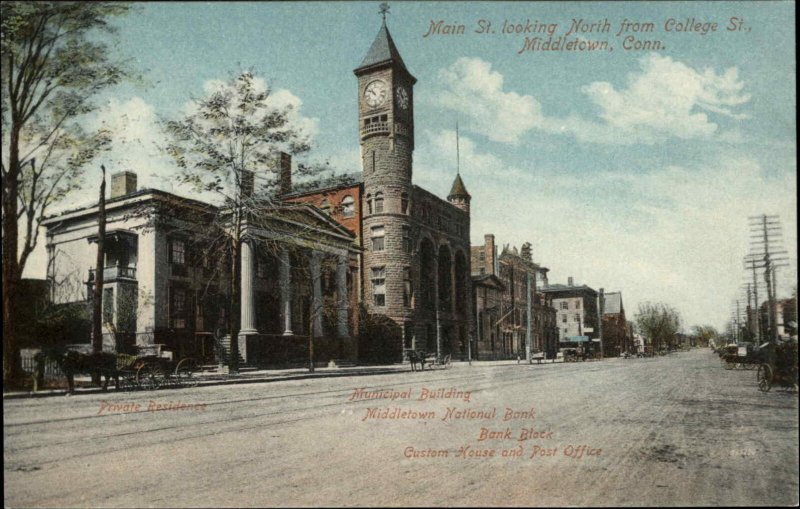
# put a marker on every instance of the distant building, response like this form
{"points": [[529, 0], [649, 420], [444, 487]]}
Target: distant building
{"points": [[576, 314], [616, 333]]}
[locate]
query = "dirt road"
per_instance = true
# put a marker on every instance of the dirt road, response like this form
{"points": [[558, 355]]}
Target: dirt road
{"points": [[675, 430]]}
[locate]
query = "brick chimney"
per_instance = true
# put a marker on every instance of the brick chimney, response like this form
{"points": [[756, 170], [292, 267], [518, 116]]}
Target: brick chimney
{"points": [[569, 281], [123, 183], [489, 252], [284, 162], [248, 183]]}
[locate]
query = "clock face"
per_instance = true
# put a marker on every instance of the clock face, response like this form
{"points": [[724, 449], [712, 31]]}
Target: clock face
{"points": [[375, 93], [402, 98]]}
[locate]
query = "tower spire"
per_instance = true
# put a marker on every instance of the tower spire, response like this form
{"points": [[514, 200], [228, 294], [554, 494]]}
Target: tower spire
{"points": [[458, 155]]}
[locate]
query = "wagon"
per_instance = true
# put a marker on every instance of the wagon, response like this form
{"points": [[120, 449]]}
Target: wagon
{"points": [[154, 368], [779, 366], [740, 356]]}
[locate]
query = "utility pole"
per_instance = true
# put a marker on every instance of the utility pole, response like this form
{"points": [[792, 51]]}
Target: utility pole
{"points": [[97, 304], [600, 299], [765, 241], [528, 329]]}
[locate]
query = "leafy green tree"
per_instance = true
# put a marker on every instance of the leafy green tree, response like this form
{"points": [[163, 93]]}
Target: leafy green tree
{"points": [[659, 323], [52, 65], [706, 334]]}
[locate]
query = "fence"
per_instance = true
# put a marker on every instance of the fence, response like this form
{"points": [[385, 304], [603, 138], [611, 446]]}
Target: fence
{"points": [[28, 363]]}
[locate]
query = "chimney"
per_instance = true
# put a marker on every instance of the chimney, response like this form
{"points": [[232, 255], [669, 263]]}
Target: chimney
{"points": [[248, 183], [123, 183], [526, 252], [489, 250], [569, 281], [284, 173]]}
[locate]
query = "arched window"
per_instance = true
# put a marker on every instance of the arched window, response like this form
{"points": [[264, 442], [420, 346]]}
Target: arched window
{"points": [[348, 206], [369, 204], [378, 203]]}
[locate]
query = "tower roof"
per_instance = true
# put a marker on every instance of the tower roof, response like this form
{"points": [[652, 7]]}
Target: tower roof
{"points": [[458, 190], [382, 51]]}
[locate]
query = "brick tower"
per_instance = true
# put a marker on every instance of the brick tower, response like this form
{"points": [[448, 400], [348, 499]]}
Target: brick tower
{"points": [[386, 126]]}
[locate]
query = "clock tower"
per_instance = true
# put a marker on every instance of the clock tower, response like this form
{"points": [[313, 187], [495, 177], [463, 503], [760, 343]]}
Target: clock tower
{"points": [[386, 134]]}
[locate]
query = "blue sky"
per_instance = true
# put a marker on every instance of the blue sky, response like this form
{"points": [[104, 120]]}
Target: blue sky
{"points": [[628, 170]]}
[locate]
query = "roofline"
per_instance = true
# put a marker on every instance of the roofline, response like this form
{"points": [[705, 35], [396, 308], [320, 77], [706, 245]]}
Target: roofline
{"points": [[122, 201]]}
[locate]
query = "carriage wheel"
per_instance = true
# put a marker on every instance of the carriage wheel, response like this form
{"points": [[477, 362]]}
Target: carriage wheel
{"points": [[186, 372], [764, 377], [149, 377], [727, 364]]}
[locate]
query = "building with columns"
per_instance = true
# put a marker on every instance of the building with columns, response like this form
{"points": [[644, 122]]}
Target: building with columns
{"points": [[164, 284], [372, 267]]}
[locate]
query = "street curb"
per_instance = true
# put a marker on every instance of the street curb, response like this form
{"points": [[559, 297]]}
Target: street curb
{"points": [[269, 379], [209, 383]]}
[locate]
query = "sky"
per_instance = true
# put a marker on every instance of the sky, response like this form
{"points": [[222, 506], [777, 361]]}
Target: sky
{"points": [[633, 167]]}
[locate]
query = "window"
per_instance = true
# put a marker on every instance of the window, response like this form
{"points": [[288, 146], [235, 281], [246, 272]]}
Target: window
{"points": [[108, 305], [407, 289], [325, 206], [348, 206], [482, 256], [564, 319], [369, 204], [377, 238], [178, 308], [404, 203], [177, 252], [578, 317], [406, 239], [379, 285], [482, 271], [378, 203], [577, 304], [564, 305]]}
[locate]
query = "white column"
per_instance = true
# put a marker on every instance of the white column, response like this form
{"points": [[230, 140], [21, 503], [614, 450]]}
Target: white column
{"points": [[316, 293], [247, 289], [341, 291], [285, 274]]}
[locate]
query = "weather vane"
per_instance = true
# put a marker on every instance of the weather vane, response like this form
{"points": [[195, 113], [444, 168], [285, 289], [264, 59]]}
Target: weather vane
{"points": [[384, 10]]}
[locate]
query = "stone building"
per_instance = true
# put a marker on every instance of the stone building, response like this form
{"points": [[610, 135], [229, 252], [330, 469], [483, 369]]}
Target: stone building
{"points": [[501, 299], [415, 275], [164, 284], [576, 315]]}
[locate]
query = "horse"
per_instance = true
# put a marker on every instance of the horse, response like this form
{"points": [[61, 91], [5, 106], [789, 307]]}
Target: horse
{"points": [[97, 364], [417, 357]]}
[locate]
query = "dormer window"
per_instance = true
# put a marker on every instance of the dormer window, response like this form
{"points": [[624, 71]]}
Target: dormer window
{"points": [[325, 206]]}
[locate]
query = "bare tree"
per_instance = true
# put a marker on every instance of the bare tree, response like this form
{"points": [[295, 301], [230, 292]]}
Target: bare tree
{"points": [[226, 147], [52, 66]]}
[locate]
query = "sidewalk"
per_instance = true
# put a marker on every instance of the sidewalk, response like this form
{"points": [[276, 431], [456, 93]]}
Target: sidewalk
{"points": [[273, 375]]}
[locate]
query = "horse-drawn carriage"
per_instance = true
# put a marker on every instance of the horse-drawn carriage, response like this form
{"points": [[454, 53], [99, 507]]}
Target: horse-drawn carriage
{"points": [[422, 357], [778, 366], [740, 356], [151, 368]]}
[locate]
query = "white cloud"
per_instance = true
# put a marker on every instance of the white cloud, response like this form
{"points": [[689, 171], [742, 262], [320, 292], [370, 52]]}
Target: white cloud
{"points": [[472, 88], [663, 99]]}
